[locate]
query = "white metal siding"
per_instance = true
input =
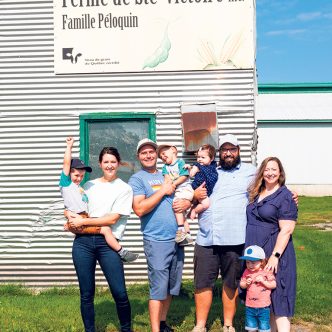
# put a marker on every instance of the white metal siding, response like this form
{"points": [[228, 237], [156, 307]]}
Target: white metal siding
{"points": [[290, 125], [294, 106], [39, 109]]}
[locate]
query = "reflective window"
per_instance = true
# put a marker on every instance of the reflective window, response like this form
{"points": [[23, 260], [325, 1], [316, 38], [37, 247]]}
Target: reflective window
{"points": [[122, 133]]}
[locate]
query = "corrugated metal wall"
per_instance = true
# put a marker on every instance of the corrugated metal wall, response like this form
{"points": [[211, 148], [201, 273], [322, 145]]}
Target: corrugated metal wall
{"points": [[39, 109]]}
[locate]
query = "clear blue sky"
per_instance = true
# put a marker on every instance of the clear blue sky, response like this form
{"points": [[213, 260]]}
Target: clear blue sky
{"points": [[294, 41]]}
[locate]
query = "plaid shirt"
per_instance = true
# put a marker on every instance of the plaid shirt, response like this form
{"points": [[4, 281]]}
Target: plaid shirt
{"points": [[224, 222]]}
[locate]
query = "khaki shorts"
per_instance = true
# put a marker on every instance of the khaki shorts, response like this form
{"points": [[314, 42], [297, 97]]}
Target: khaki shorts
{"points": [[184, 193]]}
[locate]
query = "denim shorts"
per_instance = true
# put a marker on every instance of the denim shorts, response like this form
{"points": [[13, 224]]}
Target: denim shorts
{"points": [[165, 265], [258, 319]]}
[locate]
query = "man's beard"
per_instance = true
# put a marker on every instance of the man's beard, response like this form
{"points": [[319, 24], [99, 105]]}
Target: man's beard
{"points": [[228, 165]]}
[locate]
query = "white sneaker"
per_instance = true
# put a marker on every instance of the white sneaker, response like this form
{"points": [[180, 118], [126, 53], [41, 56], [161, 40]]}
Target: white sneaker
{"points": [[188, 240], [180, 236]]}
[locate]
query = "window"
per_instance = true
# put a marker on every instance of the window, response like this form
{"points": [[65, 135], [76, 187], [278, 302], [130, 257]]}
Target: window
{"points": [[120, 130]]}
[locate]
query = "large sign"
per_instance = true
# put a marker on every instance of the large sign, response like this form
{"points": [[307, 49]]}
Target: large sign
{"points": [[96, 36]]}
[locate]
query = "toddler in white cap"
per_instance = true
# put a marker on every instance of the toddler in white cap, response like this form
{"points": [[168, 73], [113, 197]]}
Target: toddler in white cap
{"points": [[258, 284]]}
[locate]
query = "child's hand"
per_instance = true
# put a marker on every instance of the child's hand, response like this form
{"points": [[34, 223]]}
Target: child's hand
{"points": [[192, 214], [193, 171], [187, 166], [70, 141], [249, 281], [259, 278]]}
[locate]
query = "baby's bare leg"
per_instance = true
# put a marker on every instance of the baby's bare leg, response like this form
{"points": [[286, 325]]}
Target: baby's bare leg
{"points": [[109, 237], [186, 226], [202, 205], [180, 219]]}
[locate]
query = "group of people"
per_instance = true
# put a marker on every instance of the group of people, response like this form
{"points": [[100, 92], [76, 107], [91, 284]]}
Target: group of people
{"points": [[243, 214]]}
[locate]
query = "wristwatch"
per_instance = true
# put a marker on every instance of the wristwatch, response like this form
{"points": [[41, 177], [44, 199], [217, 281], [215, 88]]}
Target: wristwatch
{"points": [[276, 254]]}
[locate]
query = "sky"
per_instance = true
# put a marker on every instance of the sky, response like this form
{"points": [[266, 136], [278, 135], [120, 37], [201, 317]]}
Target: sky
{"points": [[294, 41]]}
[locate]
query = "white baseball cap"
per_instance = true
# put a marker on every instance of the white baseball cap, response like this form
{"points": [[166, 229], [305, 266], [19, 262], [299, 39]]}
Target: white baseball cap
{"points": [[228, 138], [253, 253], [146, 141]]}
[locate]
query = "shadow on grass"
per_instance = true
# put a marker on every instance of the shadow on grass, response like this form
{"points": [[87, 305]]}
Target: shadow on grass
{"points": [[215, 320], [184, 307], [106, 314]]}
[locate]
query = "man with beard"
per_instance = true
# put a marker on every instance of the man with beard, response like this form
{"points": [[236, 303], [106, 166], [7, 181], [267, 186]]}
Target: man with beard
{"points": [[221, 236]]}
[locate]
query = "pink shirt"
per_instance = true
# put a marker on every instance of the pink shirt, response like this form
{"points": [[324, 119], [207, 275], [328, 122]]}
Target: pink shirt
{"points": [[258, 296]]}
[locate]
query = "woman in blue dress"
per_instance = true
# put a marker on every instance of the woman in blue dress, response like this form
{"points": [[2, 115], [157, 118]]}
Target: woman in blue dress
{"points": [[272, 214]]}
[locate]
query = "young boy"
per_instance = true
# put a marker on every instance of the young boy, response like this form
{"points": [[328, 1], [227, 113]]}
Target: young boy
{"points": [[173, 171], [76, 201], [258, 284]]}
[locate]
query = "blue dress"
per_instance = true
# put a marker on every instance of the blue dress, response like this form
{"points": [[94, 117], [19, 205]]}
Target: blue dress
{"points": [[262, 230]]}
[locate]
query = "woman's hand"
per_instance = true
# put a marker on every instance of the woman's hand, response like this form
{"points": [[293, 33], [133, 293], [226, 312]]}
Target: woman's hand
{"points": [[75, 221], [272, 264], [286, 229], [295, 197]]}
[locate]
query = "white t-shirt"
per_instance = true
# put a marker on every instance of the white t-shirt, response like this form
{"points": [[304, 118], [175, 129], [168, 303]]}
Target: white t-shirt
{"points": [[110, 197]]}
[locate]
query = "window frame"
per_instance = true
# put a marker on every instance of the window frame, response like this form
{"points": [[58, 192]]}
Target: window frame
{"points": [[85, 119]]}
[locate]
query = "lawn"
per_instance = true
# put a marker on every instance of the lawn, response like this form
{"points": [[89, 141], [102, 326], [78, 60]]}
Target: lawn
{"points": [[58, 309]]}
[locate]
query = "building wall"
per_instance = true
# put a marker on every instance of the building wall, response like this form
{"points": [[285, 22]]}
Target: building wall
{"points": [[295, 124], [303, 150], [39, 109]]}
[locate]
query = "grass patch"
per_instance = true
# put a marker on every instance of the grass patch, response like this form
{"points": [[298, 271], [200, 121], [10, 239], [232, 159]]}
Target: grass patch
{"points": [[313, 253], [314, 210], [57, 309]]}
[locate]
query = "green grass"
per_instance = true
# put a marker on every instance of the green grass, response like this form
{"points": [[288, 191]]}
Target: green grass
{"points": [[313, 210], [313, 253], [57, 309]]}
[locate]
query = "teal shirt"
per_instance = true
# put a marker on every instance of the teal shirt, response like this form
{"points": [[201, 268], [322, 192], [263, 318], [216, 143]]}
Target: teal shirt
{"points": [[73, 195], [175, 171]]}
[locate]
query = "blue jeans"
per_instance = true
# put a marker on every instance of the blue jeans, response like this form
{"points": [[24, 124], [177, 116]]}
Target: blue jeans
{"points": [[87, 250], [258, 319]]}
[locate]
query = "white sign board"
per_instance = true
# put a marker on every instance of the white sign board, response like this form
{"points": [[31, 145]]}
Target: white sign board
{"points": [[96, 36]]}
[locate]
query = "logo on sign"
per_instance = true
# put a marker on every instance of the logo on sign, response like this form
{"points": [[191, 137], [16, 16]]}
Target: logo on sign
{"points": [[68, 54]]}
